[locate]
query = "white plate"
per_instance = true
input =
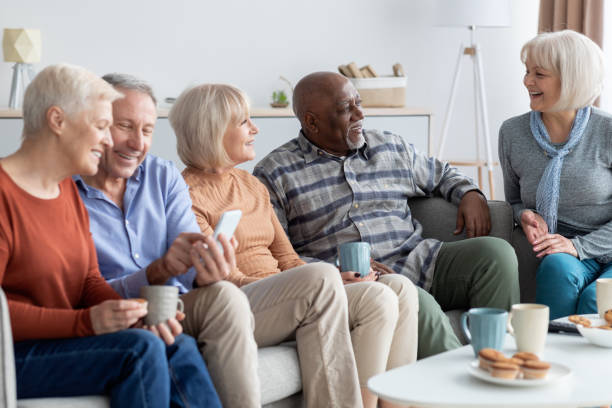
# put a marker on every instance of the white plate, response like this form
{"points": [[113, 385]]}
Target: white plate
{"points": [[596, 336], [556, 373]]}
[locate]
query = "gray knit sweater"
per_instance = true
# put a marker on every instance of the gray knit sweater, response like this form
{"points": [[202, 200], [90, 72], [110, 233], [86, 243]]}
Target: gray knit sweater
{"points": [[585, 197]]}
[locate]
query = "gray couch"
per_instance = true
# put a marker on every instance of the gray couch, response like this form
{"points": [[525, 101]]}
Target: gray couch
{"points": [[279, 366]]}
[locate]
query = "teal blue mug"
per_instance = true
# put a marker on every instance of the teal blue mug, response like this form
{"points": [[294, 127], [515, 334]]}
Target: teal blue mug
{"points": [[485, 327], [354, 256]]}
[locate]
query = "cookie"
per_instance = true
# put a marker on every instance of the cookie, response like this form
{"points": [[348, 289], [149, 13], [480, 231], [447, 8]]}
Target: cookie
{"points": [[488, 356], [504, 370], [535, 370], [608, 316], [525, 356], [514, 360], [581, 320]]}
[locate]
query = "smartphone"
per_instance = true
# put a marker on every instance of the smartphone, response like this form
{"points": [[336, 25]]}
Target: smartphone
{"points": [[227, 225]]}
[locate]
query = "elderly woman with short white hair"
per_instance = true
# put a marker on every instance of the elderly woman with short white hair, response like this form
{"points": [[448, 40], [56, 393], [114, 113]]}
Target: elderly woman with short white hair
{"points": [[557, 168], [68, 323]]}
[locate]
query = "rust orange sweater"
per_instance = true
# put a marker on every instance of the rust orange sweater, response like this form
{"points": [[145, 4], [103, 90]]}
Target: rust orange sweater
{"points": [[263, 246], [48, 264]]}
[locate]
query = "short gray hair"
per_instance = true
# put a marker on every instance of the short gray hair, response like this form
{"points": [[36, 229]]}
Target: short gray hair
{"points": [[130, 82], [69, 87], [200, 116], [577, 60]]}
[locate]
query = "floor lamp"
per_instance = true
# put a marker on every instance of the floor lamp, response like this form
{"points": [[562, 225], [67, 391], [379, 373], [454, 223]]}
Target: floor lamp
{"points": [[21, 46], [472, 14]]}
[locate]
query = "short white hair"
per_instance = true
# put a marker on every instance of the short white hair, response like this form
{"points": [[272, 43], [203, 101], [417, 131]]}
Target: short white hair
{"points": [[200, 117], [69, 87], [576, 59]]}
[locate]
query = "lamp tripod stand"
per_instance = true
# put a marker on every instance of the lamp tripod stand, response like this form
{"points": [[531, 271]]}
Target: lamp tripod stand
{"points": [[18, 84], [480, 111]]}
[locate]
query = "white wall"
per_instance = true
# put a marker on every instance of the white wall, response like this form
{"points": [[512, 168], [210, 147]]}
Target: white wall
{"points": [[250, 43]]}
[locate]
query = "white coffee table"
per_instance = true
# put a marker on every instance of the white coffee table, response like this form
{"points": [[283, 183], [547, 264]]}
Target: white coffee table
{"points": [[443, 380]]}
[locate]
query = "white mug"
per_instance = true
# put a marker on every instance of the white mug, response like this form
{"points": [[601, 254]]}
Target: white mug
{"points": [[528, 323], [604, 295], [163, 302]]}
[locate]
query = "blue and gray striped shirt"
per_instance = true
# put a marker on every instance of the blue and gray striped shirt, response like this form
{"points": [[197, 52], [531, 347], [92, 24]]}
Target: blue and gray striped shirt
{"points": [[323, 200]]}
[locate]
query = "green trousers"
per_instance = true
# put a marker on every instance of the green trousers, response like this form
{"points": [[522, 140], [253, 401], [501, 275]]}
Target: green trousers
{"points": [[476, 272]]}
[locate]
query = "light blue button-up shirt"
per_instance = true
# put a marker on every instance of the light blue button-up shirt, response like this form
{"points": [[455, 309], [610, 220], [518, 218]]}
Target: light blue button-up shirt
{"points": [[157, 208]]}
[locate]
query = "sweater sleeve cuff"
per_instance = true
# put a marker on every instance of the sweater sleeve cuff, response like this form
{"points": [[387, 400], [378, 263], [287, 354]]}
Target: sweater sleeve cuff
{"points": [[84, 326], [461, 190], [579, 250]]}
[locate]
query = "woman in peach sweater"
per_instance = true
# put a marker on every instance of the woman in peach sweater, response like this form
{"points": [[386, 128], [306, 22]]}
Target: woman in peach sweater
{"points": [[214, 134]]}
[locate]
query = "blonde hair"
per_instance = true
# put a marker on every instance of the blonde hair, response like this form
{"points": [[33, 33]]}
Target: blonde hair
{"points": [[200, 116], [69, 87], [576, 59]]}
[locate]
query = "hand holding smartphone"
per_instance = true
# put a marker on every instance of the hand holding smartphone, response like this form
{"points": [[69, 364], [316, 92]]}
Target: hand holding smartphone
{"points": [[227, 225]]}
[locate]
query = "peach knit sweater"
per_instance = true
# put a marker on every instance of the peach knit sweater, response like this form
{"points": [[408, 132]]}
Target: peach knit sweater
{"points": [[263, 246]]}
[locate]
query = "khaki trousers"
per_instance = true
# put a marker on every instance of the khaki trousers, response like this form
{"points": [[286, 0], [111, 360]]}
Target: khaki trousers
{"points": [[307, 303], [384, 324]]}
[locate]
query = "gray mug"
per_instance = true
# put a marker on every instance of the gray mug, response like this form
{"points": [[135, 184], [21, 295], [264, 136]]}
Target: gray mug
{"points": [[163, 302]]}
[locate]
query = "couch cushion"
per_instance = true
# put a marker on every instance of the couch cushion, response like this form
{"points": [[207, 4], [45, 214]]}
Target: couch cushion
{"points": [[279, 372]]}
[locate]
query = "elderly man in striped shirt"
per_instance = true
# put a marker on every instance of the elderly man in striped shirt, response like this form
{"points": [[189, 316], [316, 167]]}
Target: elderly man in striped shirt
{"points": [[337, 183]]}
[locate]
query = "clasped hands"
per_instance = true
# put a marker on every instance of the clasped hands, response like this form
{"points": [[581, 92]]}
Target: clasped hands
{"points": [[376, 269], [188, 249], [543, 243]]}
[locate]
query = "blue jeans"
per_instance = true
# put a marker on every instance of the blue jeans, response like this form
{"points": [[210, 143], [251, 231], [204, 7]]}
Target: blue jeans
{"points": [[567, 284], [133, 367]]}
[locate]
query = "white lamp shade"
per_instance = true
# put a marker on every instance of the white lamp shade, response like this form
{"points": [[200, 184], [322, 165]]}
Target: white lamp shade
{"points": [[480, 13], [21, 45]]}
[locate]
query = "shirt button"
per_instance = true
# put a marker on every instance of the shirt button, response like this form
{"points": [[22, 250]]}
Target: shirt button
{"points": [[320, 153], [386, 186], [361, 224], [356, 206], [136, 256], [127, 222]]}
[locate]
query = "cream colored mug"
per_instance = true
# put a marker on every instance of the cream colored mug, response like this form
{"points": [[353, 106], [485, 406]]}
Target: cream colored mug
{"points": [[604, 295], [163, 302], [528, 323]]}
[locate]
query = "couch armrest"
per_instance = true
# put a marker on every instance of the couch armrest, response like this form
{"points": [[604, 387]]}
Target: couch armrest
{"points": [[8, 389], [439, 218]]}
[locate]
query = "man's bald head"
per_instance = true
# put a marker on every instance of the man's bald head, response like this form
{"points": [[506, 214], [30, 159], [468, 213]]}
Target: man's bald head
{"points": [[329, 109], [315, 88]]}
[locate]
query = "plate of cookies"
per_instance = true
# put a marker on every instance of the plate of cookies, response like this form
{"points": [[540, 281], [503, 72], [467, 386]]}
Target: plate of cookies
{"points": [[595, 329], [520, 370]]}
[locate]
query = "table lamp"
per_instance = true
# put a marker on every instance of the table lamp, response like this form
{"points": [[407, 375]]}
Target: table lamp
{"points": [[472, 14], [21, 46]]}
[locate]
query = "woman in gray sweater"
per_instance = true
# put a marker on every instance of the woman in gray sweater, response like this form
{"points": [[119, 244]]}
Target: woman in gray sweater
{"points": [[557, 167]]}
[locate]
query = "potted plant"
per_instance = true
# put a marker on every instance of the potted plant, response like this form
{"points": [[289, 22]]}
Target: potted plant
{"points": [[279, 99]]}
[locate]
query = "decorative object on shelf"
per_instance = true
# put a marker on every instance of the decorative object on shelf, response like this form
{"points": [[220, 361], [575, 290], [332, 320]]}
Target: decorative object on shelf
{"points": [[279, 97], [21, 46], [377, 91], [471, 14]]}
